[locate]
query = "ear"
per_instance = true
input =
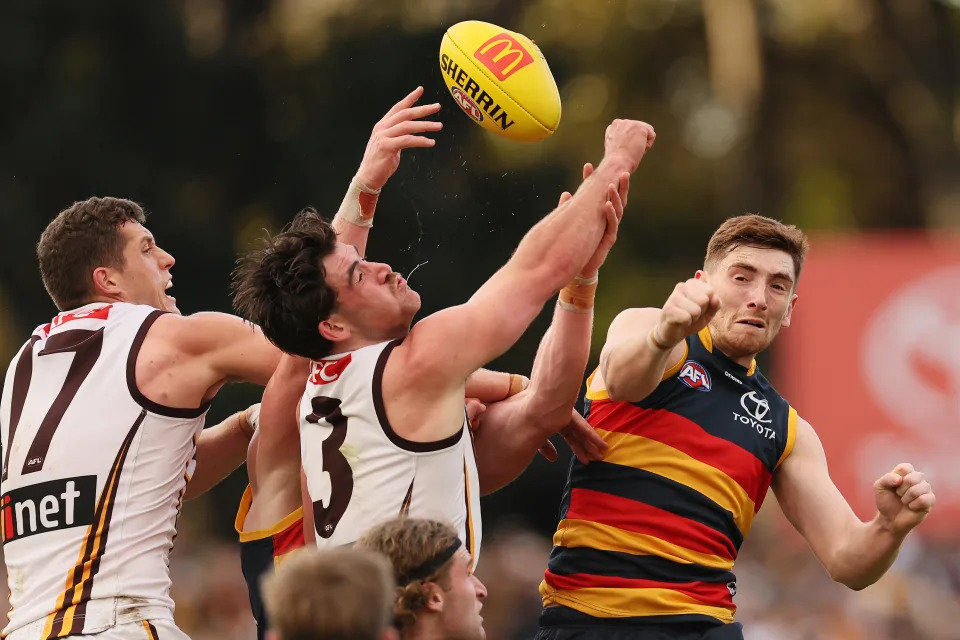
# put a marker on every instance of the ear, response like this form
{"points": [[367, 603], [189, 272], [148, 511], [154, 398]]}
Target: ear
{"points": [[434, 597], [107, 282], [271, 635], [334, 329], [700, 275], [789, 313]]}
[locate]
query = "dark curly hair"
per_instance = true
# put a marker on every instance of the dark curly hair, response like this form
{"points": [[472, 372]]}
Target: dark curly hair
{"points": [[282, 287], [84, 236]]}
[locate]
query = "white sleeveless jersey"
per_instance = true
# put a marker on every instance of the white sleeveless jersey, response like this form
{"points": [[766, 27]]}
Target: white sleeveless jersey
{"points": [[93, 477], [361, 473]]}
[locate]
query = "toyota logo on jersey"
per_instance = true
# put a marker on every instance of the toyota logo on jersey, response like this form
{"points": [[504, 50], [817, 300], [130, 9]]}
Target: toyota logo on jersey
{"points": [[327, 371], [694, 375]]}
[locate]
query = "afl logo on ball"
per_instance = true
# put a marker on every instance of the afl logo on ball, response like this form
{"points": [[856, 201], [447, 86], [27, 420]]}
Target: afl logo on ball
{"points": [[468, 105], [695, 376]]}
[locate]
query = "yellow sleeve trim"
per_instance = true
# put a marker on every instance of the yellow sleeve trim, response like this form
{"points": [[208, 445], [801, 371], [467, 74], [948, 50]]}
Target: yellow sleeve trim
{"points": [[247, 536], [791, 435], [706, 339], [598, 394], [675, 368]]}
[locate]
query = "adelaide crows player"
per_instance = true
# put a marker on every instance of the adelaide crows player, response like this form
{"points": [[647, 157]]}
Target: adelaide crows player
{"points": [[649, 535]]}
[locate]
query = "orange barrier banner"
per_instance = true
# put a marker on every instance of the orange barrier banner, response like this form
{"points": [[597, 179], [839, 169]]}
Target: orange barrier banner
{"points": [[872, 361]]}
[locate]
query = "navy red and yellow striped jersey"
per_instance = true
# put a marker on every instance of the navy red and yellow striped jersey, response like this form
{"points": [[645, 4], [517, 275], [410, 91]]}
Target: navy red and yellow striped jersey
{"points": [[654, 528], [260, 551]]}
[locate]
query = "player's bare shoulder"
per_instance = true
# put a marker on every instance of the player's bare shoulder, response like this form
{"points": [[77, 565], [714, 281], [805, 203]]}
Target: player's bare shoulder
{"points": [[185, 359]]}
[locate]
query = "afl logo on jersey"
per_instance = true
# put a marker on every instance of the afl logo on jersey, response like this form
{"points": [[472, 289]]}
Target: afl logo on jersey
{"points": [[694, 375], [327, 371]]}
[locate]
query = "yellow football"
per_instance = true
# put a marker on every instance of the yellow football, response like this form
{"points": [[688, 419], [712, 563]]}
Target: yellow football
{"points": [[501, 80]]}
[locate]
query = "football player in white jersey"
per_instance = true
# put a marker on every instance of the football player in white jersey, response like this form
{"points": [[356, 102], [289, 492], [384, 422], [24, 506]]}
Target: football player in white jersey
{"points": [[270, 520], [382, 420], [102, 429]]}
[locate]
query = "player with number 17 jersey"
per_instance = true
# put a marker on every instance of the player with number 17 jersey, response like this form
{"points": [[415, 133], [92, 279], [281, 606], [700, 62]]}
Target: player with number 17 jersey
{"points": [[360, 472], [89, 507]]}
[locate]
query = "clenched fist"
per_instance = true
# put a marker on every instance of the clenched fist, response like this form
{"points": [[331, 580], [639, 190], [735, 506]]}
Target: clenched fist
{"points": [[689, 308], [904, 498], [629, 140]]}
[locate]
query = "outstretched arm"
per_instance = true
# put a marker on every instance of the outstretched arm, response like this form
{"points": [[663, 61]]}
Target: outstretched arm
{"points": [[510, 433], [396, 131], [548, 257], [855, 553], [220, 450], [643, 343]]}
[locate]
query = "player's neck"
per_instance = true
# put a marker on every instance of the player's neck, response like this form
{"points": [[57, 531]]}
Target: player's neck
{"points": [[355, 342], [744, 360], [427, 627]]}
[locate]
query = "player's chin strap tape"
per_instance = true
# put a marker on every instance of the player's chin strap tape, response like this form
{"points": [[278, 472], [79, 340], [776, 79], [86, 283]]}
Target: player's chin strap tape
{"points": [[430, 566]]}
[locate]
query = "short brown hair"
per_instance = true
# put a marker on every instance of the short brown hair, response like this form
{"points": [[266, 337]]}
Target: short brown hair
{"points": [[411, 543], [82, 237], [282, 287], [752, 230], [338, 594]]}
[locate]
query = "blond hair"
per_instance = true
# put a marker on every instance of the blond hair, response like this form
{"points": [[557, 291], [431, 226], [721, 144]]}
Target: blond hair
{"points": [[340, 594], [411, 544]]}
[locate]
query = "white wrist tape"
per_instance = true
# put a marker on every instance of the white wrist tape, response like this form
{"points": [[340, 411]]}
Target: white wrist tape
{"points": [[359, 204]]}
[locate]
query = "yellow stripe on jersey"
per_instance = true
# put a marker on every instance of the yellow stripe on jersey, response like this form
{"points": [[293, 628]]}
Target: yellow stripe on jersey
{"points": [[97, 548], [706, 339], [471, 541], [151, 632], [594, 535], [791, 435], [595, 394], [650, 455], [74, 587], [601, 602], [260, 534], [674, 369]]}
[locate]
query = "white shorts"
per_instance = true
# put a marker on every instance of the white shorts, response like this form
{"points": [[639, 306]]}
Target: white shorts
{"points": [[143, 630]]}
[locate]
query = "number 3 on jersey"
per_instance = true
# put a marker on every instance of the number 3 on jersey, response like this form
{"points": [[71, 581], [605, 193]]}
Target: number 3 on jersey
{"points": [[326, 518]]}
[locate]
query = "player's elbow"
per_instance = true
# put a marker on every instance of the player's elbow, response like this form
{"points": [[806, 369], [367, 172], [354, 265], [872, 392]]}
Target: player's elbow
{"points": [[623, 388], [851, 581], [849, 576]]}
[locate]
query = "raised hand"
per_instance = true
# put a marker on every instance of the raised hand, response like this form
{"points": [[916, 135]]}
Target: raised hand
{"points": [[629, 140], [689, 308], [904, 498], [616, 202], [399, 129]]}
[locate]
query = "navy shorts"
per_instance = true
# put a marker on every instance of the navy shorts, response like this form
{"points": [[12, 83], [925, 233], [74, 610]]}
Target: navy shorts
{"points": [[560, 623]]}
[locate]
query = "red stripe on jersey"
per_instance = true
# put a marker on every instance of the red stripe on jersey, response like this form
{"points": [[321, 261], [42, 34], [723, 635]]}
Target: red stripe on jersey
{"points": [[687, 436], [708, 593], [289, 539], [639, 517]]}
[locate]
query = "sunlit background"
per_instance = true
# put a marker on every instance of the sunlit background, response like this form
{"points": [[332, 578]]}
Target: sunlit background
{"points": [[840, 116]]}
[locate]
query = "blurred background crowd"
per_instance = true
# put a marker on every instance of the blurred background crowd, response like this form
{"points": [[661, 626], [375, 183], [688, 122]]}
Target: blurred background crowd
{"points": [[841, 116]]}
